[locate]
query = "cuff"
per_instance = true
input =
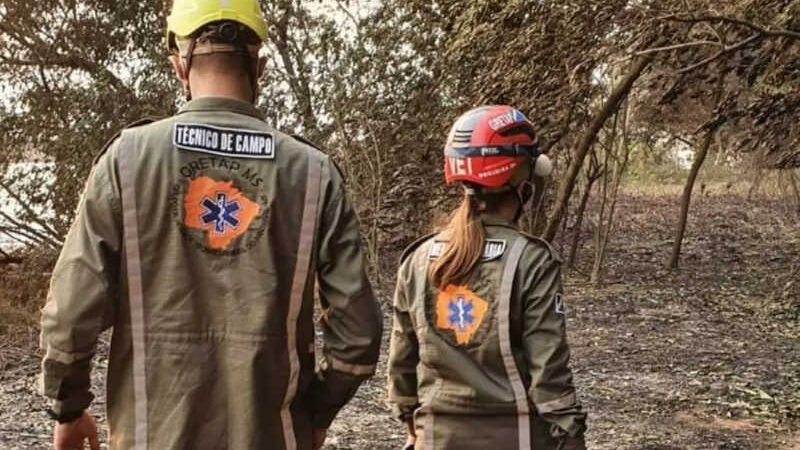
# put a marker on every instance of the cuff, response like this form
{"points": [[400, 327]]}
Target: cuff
{"points": [[64, 417], [329, 392], [323, 419], [404, 412], [69, 399]]}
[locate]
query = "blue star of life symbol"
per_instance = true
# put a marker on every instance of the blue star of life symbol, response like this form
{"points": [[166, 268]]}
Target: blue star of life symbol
{"points": [[461, 312], [221, 212]]}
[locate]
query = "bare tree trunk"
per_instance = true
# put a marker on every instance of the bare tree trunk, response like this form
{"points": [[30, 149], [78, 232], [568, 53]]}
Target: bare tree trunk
{"points": [[576, 234], [621, 157], [795, 188], [593, 173], [686, 197], [755, 184], [610, 107], [598, 229]]}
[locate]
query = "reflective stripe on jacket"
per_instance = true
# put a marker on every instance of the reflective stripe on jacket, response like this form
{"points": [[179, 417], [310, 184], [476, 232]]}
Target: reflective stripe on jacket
{"points": [[199, 239], [484, 365]]}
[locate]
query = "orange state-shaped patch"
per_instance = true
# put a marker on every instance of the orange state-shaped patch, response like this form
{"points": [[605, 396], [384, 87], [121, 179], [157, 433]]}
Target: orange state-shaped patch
{"points": [[219, 209], [460, 310]]}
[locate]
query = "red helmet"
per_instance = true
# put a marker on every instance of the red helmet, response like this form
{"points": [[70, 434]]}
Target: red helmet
{"points": [[486, 144]]}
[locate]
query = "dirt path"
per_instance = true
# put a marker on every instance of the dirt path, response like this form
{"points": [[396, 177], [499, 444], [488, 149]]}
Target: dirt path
{"points": [[707, 357]]}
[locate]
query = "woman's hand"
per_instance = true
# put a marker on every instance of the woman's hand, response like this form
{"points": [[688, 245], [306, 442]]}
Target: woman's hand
{"points": [[411, 439], [72, 435]]}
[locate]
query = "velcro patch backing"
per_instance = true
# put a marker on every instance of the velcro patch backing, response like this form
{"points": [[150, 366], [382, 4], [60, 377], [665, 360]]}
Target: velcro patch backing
{"points": [[232, 142], [493, 249]]}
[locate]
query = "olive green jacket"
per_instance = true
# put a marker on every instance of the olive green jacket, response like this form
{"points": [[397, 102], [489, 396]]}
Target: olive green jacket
{"points": [[493, 351], [199, 239]]}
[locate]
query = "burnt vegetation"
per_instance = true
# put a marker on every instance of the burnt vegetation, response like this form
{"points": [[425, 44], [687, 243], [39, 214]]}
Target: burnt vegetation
{"points": [[674, 126]]}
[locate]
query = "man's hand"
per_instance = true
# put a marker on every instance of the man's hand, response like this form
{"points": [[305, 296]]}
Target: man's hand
{"points": [[72, 435], [573, 443], [318, 438]]}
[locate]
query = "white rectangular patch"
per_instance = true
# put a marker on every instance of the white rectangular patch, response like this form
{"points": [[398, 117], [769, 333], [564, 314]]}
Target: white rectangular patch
{"points": [[237, 143], [494, 248]]}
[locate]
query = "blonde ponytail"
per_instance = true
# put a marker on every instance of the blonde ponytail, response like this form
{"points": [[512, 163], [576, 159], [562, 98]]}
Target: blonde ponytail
{"points": [[464, 249]]}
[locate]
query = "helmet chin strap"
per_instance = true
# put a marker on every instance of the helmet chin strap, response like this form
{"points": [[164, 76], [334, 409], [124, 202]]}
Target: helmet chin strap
{"points": [[186, 61], [254, 80], [524, 198], [521, 200]]}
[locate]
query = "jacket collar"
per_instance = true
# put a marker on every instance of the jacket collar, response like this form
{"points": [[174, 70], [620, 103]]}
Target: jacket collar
{"points": [[489, 219], [221, 104]]}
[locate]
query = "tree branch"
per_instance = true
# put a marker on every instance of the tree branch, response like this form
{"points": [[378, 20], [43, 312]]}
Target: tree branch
{"points": [[33, 44], [736, 21], [30, 231], [53, 233], [678, 46], [720, 53], [347, 13], [21, 236]]}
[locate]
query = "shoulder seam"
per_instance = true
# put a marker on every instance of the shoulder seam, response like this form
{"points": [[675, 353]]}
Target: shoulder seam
{"points": [[137, 123], [305, 141], [414, 245], [547, 245]]}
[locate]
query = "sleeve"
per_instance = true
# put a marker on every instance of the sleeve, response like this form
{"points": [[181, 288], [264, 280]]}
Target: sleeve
{"points": [[547, 352], [403, 357], [352, 322], [83, 292]]}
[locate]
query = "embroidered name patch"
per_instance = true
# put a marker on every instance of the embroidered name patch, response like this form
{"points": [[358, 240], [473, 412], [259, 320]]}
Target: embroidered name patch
{"points": [[493, 249], [233, 142], [458, 309]]}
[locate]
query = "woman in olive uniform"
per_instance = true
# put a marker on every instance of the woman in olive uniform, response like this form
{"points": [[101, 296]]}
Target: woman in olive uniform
{"points": [[479, 355]]}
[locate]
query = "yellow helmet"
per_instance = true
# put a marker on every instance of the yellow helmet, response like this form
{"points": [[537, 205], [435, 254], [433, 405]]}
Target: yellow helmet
{"points": [[190, 15]]}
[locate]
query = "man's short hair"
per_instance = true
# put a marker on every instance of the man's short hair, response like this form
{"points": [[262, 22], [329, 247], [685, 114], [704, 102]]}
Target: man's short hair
{"points": [[224, 46]]}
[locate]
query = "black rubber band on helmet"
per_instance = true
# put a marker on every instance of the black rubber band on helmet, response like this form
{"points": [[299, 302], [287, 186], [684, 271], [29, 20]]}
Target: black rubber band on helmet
{"points": [[494, 150]]}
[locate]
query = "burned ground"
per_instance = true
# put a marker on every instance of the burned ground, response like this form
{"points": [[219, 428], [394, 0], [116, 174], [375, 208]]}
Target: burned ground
{"points": [[706, 357]]}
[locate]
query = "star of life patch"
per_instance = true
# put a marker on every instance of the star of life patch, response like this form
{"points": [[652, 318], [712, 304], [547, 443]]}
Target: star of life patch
{"points": [[493, 249], [237, 143], [219, 209], [460, 310]]}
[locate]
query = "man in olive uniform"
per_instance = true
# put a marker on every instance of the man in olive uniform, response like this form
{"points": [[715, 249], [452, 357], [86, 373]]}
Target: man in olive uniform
{"points": [[199, 239]]}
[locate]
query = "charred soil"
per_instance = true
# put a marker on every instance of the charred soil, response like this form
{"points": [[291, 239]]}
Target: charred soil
{"points": [[704, 357]]}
